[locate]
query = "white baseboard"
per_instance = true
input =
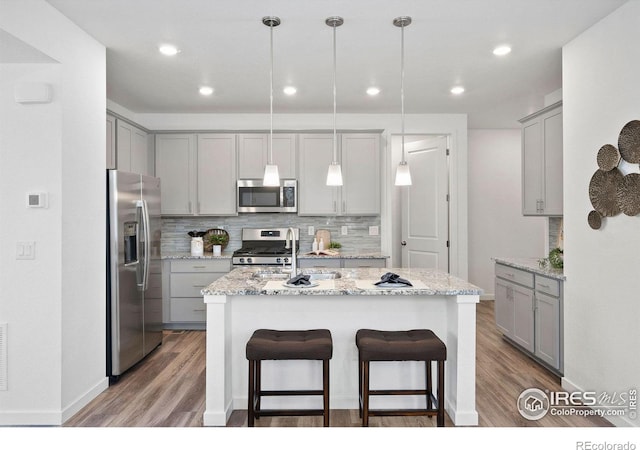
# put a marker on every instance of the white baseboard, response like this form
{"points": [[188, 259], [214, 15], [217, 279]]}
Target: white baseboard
{"points": [[83, 400], [618, 421]]}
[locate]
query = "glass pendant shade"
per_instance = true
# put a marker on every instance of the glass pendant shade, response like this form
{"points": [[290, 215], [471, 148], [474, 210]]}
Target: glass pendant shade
{"points": [[334, 175], [403, 175], [271, 175]]}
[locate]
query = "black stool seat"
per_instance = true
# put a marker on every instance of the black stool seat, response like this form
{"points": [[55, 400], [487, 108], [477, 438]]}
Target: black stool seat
{"points": [[409, 345], [290, 344], [287, 345]]}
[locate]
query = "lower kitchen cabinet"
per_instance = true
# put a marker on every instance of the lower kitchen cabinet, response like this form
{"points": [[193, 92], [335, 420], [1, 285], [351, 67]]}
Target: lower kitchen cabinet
{"points": [[341, 263], [528, 312], [184, 306]]}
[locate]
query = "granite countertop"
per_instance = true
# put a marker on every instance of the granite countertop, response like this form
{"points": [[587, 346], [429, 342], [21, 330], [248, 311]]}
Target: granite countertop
{"points": [[531, 264], [187, 255], [229, 254], [242, 281]]}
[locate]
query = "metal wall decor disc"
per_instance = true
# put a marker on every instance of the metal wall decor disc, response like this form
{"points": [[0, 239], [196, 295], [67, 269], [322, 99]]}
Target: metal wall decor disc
{"points": [[595, 220], [603, 189], [608, 157], [629, 142], [402, 21], [334, 21], [271, 21], [628, 194]]}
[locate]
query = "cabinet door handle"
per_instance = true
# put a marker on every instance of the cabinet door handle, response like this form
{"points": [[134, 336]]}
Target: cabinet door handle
{"points": [[344, 206], [189, 207], [199, 310], [544, 285], [199, 285], [335, 206], [199, 267], [198, 211]]}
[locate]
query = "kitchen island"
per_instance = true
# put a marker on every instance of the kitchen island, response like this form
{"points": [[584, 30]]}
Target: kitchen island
{"points": [[249, 298]]}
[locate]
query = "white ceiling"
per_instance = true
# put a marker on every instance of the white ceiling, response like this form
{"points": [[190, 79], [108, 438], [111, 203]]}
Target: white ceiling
{"points": [[225, 45]]}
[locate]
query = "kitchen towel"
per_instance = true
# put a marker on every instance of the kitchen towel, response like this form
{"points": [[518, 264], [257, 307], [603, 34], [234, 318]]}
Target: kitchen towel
{"points": [[393, 278], [299, 280]]}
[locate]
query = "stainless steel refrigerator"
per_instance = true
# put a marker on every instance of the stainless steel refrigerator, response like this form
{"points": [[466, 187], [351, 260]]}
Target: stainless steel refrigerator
{"points": [[134, 270]]}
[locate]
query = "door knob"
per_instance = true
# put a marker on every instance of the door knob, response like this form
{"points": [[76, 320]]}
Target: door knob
{"points": [[403, 243]]}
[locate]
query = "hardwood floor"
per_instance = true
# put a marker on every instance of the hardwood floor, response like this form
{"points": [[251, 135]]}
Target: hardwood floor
{"points": [[168, 390]]}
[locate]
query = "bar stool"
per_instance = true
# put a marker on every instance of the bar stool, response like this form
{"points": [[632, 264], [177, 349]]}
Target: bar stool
{"points": [[287, 345], [411, 345]]}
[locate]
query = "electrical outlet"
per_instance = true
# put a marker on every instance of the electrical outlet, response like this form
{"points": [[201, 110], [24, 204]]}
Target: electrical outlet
{"points": [[311, 230], [374, 230], [343, 230]]}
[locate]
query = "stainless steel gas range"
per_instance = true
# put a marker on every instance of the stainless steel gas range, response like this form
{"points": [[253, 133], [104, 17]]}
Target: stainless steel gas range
{"points": [[266, 247]]}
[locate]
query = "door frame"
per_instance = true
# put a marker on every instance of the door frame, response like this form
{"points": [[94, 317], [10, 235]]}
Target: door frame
{"points": [[458, 198]]}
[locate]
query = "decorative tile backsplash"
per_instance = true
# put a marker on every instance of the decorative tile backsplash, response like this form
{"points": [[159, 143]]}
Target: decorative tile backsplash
{"points": [[176, 239], [556, 239]]}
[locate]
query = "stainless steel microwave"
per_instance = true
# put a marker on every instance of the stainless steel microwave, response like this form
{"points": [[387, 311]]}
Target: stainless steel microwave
{"points": [[254, 197]]}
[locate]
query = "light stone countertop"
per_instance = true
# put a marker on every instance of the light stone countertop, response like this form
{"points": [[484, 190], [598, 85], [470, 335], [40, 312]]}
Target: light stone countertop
{"points": [[187, 255], [345, 255], [241, 281], [531, 265]]}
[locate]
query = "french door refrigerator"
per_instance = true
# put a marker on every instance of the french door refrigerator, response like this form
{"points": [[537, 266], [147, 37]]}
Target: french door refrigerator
{"points": [[134, 270]]}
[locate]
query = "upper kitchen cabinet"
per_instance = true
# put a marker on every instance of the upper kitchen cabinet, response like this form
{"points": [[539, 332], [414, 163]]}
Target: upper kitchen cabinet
{"points": [[111, 142], [216, 174], [253, 154], [359, 156], [542, 162], [133, 152], [198, 173]]}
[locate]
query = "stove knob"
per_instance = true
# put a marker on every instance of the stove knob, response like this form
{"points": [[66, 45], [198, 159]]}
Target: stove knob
{"points": [[286, 260], [278, 260], [249, 260], [241, 260]]}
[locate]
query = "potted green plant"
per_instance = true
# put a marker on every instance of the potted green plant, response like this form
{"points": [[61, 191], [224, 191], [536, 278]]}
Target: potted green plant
{"points": [[336, 245], [218, 240]]}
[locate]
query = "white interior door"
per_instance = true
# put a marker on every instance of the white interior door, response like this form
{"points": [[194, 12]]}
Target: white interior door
{"points": [[425, 212]]}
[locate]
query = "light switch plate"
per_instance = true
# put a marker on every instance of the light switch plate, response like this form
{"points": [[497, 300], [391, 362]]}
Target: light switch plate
{"points": [[311, 230], [374, 230], [26, 250], [344, 230]]}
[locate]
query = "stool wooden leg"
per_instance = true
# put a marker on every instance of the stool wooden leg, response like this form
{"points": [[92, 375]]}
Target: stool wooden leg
{"points": [[250, 411], [365, 395], [440, 394], [325, 390], [360, 388], [429, 384], [258, 388]]}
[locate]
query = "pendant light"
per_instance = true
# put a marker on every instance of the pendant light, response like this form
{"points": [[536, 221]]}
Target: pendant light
{"points": [[271, 176], [334, 174], [403, 176]]}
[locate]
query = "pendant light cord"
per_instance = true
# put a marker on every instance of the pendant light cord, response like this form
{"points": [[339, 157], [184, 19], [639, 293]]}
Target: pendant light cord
{"points": [[402, 86], [271, 97], [335, 139]]}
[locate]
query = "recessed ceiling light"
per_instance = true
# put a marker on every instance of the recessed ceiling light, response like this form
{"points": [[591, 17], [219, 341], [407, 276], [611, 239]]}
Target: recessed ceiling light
{"points": [[169, 50], [206, 90], [373, 91], [289, 90], [457, 90], [502, 50]]}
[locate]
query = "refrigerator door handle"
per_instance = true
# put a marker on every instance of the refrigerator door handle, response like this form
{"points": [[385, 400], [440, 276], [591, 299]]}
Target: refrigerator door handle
{"points": [[147, 241]]}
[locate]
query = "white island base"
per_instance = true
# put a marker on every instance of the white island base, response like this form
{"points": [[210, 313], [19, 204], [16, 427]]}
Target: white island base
{"points": [[231, 319]]}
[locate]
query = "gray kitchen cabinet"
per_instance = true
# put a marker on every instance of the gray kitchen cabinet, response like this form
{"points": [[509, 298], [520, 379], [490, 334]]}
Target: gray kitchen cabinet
{"points": [[542, 162], [184, 306], [528, 312], [346, 263], [359, 156], [198, 173], [253, 154], [216, 175], [133, 152], [111, 142], [548, 319], [175, 166]]}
